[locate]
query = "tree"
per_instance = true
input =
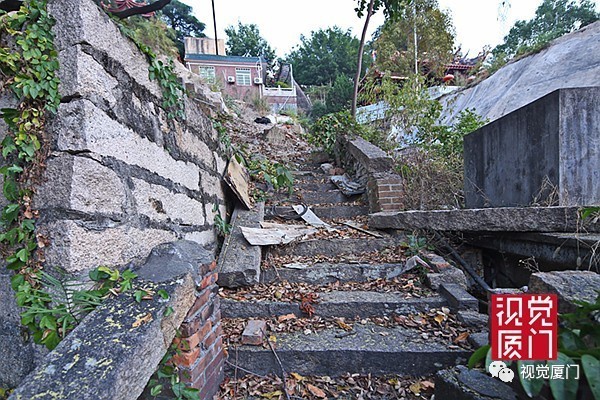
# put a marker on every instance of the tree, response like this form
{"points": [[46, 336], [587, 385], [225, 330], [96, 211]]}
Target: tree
{"points": [[245, 40], [179, 17], [395, 42], [327, 53], [339, 97], [391, 8], [553, 18]]}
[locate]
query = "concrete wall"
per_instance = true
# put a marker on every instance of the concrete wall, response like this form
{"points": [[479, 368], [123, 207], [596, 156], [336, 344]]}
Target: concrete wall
{"points": [[547, 152], [121, 176]]}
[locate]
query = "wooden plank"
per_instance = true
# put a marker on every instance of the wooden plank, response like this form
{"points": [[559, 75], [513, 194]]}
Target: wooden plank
{"points": [[237, 179]]}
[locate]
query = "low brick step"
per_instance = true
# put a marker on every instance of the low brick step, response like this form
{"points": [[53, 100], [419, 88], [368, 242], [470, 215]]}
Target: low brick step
{"points": [[324, 273], [335, 247], [347, 304], [367, 349]]}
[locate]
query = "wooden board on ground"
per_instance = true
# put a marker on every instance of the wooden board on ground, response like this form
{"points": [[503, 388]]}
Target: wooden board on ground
{"points": [[237, 179], [310, 217]]}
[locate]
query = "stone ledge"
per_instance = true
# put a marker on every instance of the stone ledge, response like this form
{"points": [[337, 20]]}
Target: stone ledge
{"points": [[111, 354], [371, 157], [505, 219]]}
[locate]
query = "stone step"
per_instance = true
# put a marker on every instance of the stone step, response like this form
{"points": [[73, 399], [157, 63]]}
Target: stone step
{"points": [[323, 212], [367, 349], [325, 197], [324, 273], [335, 247], [304, 187], [347, 304]]}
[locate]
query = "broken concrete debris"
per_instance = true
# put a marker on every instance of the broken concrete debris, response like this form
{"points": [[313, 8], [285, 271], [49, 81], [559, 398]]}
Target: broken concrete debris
{"points": [[276, 235], [254, 332]]}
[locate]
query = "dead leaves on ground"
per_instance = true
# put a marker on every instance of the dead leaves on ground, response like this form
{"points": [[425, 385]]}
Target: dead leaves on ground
{"points": [[352, 386]]}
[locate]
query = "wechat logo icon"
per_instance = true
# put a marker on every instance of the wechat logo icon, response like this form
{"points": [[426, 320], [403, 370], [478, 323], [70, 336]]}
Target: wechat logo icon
{"points": [[498, 369]]}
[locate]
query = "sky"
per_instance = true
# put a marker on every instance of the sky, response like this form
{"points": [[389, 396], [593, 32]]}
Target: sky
{"points": [[477, 22]]}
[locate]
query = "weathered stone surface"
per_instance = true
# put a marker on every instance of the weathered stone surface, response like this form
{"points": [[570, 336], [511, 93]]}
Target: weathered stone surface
{"points": [[211, 185], [81, 126], [569, 285], [239, 262], [276, 135], [525, 80], [77, 249], [116, 349], [204, 238], [80, 184], [82, 76], [371, 157], [545, 153], [337, 304], [472, 318], [18, 355], [464, 384], [254, 332], [323, 273], [335, 247], [458, 297], [80, 22], [372, 349], [479, 339], [450, 275], [193, 145], [525, 219], [160, 204]]}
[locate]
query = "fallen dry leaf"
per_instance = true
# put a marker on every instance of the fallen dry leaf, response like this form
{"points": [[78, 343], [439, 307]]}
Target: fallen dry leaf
{"points": [[462, 337], [286, 317], [316, 391], [416, 388], [142, 320]]}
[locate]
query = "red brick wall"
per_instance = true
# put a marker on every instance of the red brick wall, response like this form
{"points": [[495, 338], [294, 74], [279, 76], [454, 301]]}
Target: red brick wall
{"points": [[384, 192], [201, 355]]}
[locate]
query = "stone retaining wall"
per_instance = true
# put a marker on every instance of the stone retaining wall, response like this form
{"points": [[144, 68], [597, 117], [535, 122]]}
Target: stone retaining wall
{"points": [[122, 177]]}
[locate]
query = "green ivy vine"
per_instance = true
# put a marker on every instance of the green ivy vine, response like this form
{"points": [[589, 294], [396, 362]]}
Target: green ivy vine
{"points": [[29, 64]]}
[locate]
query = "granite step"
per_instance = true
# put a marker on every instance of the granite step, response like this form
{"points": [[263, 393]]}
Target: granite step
{"points": [[346, 304], [336, 247], [367, 349]]}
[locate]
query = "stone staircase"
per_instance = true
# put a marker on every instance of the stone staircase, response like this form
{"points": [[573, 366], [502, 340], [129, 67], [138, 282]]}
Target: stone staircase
{"points": [[347, 301]]}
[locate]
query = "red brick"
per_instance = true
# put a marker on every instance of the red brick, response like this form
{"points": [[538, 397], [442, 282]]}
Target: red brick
{"points": [[394, 195], [186, 358], [207, 268], [211, 386], [208, 280], [202, 298], [189, 342]]}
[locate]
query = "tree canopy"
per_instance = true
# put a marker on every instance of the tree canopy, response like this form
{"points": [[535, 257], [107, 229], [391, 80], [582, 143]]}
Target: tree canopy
{"points": [[179, 17], [245, 40], [395, 44], [327, 53], [553, 18]]}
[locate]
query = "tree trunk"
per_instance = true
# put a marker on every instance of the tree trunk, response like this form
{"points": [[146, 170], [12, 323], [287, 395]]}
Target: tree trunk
{"points": [[360, 56]]}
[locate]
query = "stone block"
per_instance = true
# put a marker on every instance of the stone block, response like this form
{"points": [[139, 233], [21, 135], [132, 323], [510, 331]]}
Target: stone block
{"points": [[80, 22], [204, 238], [239, 262], [212, 185], [547, 149], [569, 285], [80, 184], [465, 384], [77, 248], [81, 126], [161, 204], [115, 350], [479, 339], [458, 298], [82, 76], [254, 332], [473, 319], [193, 144], [371, 157], [450, 275]]}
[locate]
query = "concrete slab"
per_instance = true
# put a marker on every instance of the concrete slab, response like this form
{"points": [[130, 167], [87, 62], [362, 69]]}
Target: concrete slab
{"points": [[336, 304], [569, 285], [503, 219], [465, 384], [323, 273], [458, 297], [239, 261], [371, 349]]}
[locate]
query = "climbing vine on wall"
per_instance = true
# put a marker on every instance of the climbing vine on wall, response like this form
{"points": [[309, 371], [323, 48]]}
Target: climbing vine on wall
{"points": [[29, 64]]}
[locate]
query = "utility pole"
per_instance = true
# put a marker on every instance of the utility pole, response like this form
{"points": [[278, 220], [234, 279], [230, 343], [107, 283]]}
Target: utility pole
{"points": [[215, 26]]}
